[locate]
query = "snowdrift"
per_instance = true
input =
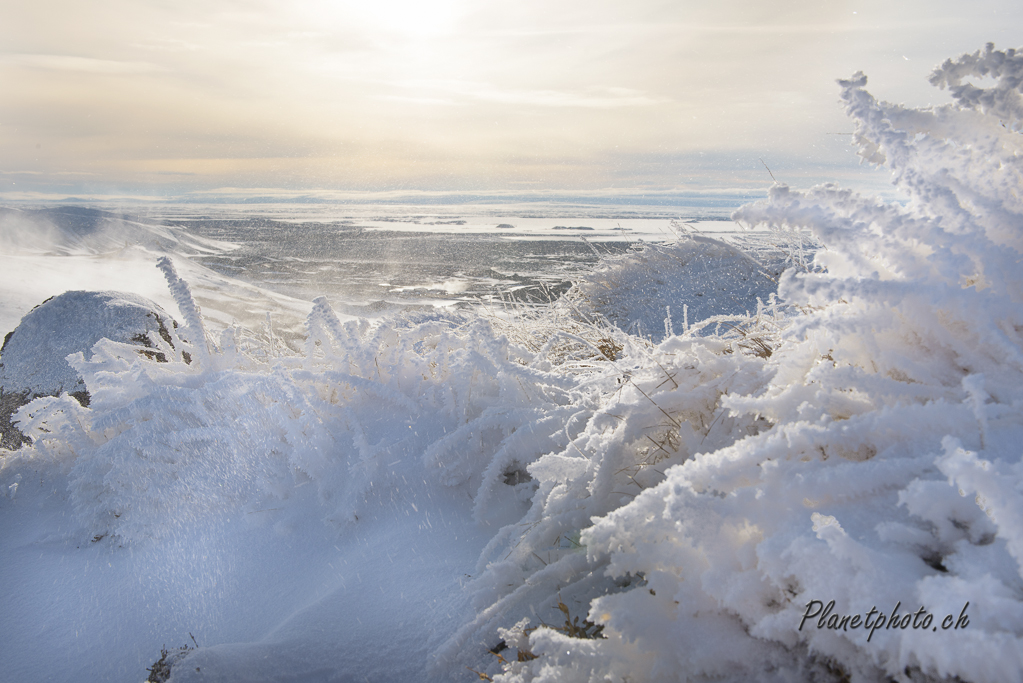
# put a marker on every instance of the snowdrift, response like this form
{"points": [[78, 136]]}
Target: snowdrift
{"points": [[830, 489]]}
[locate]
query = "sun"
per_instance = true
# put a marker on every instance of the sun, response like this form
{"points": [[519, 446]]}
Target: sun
{"points": [[409, 18]]}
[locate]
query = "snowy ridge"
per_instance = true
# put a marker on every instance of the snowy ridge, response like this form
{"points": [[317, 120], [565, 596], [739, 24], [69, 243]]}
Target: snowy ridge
{"points": [[50, 251], [73, 229], [684, 507]]}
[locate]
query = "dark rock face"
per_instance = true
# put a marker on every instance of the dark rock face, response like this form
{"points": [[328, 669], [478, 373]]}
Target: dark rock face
{"points": [[33, 357], [10, 437]]}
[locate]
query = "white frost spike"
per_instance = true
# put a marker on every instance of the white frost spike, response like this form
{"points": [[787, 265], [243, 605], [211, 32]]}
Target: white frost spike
{"points": [[820, 521], [994, 484], [974, 386], [1003, 100], [270, 335], [195, 331]]}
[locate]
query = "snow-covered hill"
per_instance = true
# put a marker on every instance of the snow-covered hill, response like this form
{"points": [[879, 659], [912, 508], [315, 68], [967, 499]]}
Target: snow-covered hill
{"points": [[75, 230], [50, 251]]}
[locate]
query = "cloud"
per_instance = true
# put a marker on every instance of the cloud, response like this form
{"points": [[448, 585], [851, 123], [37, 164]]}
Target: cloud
{"points": [[433, 101], [167, 45], [84, 64], [594, 97], [48, 173]]}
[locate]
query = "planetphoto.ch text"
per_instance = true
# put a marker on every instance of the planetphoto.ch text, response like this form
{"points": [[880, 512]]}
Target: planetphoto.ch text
{"points": [[875, 620]]}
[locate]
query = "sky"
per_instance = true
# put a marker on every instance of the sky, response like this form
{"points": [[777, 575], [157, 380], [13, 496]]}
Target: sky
{"points": [[191, 98]]}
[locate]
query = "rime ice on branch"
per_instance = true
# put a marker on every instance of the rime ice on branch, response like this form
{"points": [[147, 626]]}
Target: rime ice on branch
{"points": [[873, 458], [194, 330]]}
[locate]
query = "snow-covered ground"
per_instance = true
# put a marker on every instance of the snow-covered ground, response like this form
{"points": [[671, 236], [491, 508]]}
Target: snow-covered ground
{"points": [[449, 495]]}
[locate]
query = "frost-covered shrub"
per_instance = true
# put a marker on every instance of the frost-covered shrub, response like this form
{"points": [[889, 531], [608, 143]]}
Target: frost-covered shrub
{"points": [[178, 444], [662, 288], [872, 460]]}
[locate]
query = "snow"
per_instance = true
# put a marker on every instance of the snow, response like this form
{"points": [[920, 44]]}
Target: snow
{"points": [[393, 499]]}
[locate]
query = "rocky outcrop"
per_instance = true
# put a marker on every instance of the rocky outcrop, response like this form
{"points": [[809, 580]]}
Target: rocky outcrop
{"points": [[33, 359]]}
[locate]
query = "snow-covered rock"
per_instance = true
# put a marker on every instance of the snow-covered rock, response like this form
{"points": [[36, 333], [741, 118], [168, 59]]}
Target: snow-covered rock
{"points": [[33, 359]]}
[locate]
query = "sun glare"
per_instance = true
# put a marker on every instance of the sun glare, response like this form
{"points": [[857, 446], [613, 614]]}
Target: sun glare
{"points": [[411, 18]]}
